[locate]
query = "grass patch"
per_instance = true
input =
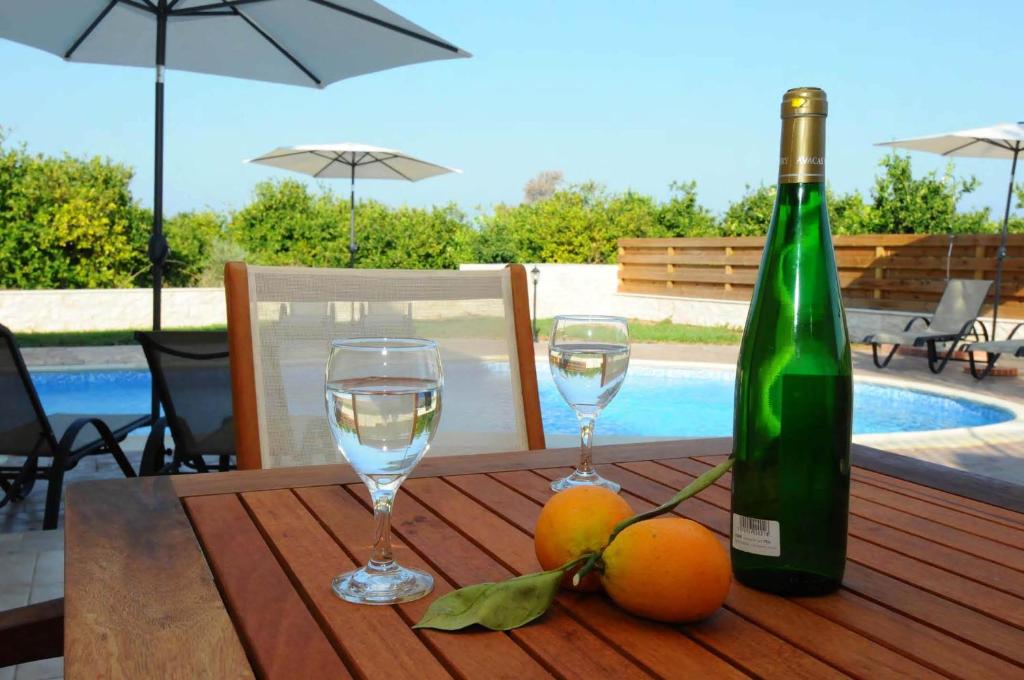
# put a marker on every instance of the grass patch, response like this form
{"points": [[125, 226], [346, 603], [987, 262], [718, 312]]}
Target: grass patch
{"points": [[90, 338], [666, 331], [640, 331]]}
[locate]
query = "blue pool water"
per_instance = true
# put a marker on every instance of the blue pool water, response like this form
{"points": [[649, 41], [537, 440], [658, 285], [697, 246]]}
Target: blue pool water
{"points": [[654, 401]]}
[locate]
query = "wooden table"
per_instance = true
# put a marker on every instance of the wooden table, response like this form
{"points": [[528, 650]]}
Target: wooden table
{"points": [[228, 575]]}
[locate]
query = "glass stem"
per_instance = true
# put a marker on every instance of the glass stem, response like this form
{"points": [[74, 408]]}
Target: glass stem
{"points": [[586, 465], [382, 559]]}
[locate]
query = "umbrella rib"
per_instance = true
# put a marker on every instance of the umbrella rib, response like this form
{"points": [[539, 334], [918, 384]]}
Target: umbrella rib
{"points": [[208, 9], [95, 22], [283, 155], [331, 161], [962, 146], [394, 169], [388, 25], [995, 142], [266, 36]]}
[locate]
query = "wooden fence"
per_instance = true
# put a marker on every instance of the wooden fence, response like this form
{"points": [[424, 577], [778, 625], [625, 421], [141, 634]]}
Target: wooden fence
{"points": [[903, 272]]}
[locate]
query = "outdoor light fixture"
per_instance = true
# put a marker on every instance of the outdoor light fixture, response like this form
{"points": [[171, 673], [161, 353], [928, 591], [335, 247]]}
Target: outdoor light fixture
{"points": [[535, 276]]}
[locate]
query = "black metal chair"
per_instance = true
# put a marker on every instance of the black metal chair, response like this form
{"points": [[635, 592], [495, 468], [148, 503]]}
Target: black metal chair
{"points": [[193, 381], [26, 432]]}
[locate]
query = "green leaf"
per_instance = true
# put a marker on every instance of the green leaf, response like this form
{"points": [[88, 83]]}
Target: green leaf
{"points": [[498, 606]]}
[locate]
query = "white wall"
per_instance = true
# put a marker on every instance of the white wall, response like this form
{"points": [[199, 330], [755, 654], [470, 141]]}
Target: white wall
{"points": [[592, 289], [561, 289], [109, 309]]}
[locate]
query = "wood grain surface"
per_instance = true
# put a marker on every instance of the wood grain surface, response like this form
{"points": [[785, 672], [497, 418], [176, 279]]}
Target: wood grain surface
{"points": [[934, 585]]}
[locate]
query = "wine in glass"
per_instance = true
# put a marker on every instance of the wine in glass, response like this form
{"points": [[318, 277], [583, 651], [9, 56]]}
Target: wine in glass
{"points": [[589, 356], [383, 407]]}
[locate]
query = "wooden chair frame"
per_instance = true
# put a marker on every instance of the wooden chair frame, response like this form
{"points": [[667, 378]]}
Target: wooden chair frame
{"points": [[243, 372]]}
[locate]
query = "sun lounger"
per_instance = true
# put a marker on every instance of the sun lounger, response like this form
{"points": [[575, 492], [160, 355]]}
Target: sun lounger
{"points": [[954, 319]]}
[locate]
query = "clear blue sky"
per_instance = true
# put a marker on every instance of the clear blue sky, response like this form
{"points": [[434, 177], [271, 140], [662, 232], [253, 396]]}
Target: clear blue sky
{"points": [[633, 95]]}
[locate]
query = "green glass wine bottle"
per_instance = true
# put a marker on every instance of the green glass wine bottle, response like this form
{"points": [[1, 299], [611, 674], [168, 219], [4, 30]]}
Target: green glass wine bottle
{"points": [[794, 392]]}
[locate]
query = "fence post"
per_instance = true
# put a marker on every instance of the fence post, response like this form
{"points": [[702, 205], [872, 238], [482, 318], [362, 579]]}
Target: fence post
{"points": [[670, 251], [879, 272], [728, 267]]}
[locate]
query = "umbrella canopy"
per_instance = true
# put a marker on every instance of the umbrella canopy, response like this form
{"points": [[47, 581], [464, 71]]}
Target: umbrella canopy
{"points": [[1003, 140], [298, 42], [349, 160]]}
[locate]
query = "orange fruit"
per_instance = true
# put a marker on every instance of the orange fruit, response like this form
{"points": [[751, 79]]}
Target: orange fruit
{"points": [[667, 569], [574, 522]]}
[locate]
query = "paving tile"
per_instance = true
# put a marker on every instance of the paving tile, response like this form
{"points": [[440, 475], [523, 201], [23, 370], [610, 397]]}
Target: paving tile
{"points": [[17, 569], [43, 540], [44, 593], [47, 669], [49, 568]]}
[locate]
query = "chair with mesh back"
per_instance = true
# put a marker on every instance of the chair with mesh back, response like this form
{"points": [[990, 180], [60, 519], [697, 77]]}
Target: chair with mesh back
{"points": [[955, 318], [28, 436], [279, 345], [193, 380]]}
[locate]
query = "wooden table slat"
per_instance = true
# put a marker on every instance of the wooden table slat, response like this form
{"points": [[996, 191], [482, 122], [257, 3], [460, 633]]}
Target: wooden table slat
{"points": [[936, 532], [934, 584], [989, 634], [984, 571], [138, 596], [282, 637], [846, 649], [559, 638], [749, 647], [967, 506], [950, 584], [477, 653], [375, 640]]}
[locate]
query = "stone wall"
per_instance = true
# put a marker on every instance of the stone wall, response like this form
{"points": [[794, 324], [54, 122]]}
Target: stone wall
{"points": [[592, 289], [109, 309], [561, 289]]}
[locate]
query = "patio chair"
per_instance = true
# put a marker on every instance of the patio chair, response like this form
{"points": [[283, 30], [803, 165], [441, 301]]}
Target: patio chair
{"points": [[193, 380], [479, 318], [26, 432], [954, 319], [993, 350]]}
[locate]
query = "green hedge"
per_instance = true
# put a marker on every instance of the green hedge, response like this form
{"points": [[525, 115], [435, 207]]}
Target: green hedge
{"points": [[73, 223]]}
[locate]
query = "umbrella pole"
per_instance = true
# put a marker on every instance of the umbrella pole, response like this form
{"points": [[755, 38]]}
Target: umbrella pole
{"points": [[157, 242], [1002, 244], [352, 247]]}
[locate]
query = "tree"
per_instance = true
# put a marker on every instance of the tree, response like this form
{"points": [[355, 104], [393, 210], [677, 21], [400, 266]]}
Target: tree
{"points": [[902, 204], [751, 214], [579, 224], [68, 223], [683, 215], [193, 237], [542, 186], [288, 224]]}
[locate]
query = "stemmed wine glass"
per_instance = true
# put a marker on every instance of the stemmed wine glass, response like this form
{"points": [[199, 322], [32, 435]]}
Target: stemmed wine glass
{"points": [[383, 407], [589, 356]]}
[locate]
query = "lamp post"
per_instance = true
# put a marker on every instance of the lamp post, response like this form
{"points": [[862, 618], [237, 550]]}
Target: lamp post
{"points": [[535, 276]]}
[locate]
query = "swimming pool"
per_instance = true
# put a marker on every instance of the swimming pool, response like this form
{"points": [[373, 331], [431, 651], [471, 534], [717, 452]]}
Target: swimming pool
{"points": [[656, 400]]}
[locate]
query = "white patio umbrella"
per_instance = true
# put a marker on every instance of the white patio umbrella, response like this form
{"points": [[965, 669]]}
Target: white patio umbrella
{"points": [[297, 42], [1003, 140], [349, 160]]}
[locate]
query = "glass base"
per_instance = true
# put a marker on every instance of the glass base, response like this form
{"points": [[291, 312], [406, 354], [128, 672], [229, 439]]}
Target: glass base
{"points": [[578, 478], [388, 585]]}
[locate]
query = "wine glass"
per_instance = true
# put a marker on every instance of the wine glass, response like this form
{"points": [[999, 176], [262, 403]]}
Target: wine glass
{"points": [[589, 356], [383, 407]]}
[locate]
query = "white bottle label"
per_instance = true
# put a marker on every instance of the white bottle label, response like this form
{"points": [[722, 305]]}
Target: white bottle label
{"points": [[757, 536]]}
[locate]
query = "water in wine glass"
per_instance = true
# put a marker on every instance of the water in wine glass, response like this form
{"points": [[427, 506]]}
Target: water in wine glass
{"points": [[588, 375], [383, 425]]}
